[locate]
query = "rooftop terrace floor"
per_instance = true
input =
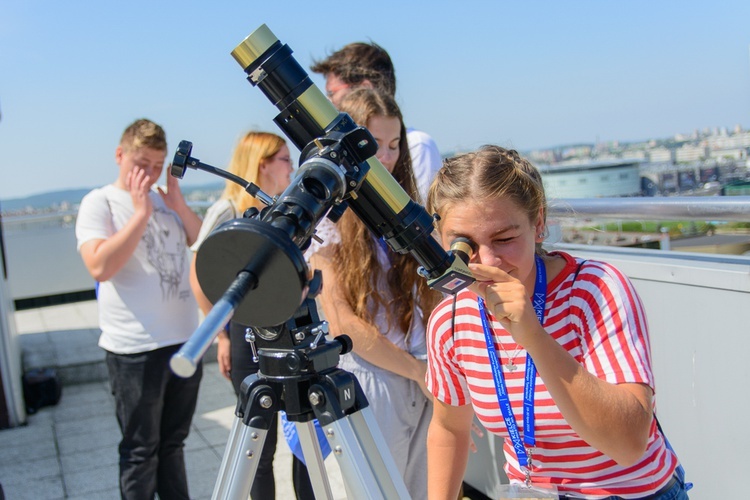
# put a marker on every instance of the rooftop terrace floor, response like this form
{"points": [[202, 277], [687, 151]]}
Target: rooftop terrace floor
{"points": [[70, 450]]}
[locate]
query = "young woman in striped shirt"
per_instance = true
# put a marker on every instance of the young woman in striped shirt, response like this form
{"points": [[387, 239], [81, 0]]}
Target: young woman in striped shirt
{"points": [[549, 351]]}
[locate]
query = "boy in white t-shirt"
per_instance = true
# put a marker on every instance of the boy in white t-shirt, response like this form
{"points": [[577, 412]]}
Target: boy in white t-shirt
{"points": [[134, 242]]}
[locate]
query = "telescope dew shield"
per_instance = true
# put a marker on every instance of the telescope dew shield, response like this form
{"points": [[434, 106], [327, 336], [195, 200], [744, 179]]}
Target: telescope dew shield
{"points": [[380, 202], [269, 65]]}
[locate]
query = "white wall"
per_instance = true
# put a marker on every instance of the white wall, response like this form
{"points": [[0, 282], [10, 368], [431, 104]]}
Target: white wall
{"points": [[10, 355]]}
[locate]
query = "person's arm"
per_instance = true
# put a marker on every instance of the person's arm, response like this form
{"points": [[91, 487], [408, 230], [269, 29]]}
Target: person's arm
{"points": [[613, 418], [448, 441], [367, 340], [173, 199], [204, 304], [104, 258]]}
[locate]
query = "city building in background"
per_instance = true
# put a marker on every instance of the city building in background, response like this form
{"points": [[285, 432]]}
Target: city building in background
{"points": [[592, 179]]}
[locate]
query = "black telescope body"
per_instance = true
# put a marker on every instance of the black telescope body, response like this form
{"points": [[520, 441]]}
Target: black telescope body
{"points": [[380, 202], [338, 168], [252, 269]]}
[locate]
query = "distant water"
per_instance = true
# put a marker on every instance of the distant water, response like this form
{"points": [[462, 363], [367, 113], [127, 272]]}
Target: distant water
{"points": [[72, 197], [44, 200], [41, 256], [40, 247]]}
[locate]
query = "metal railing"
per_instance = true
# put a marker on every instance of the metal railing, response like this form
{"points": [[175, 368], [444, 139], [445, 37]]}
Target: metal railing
{"points": [[713, 208]]}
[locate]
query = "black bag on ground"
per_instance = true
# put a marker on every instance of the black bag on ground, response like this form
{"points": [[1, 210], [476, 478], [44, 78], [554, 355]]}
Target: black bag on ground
{"points": [[41, 387]]}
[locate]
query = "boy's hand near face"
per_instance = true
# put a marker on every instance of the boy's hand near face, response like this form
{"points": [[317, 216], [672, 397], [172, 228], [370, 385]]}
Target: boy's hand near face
{"points": [[173, 195], [174, 200], [139, 185]]}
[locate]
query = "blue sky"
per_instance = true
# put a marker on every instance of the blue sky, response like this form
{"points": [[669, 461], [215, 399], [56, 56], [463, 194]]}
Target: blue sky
{"points": [[520, 74]]}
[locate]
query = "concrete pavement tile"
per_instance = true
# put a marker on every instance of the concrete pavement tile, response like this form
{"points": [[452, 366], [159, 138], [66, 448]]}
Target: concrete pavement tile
{"points": [[202, 468], [88, 460], [76, 346], [39, 359], [67, 317], [82, 462], [82, 442], [62, 336], [90, 309], [90, 481], [48, 488], [195, 441], [37, 351], [79, 352], [26, 470], [76, 412], [211, 396], [94, 426], [215, 436], [43, 416], [223, 417], [218, 384], [109, 494], [29, 321], [83, 373], [86, 397], [85, 391], [26, 435], [25, 452], [36, 339]]}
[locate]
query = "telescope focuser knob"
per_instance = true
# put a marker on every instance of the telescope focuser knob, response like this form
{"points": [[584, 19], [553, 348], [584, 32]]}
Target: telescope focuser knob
{"points": [[181, 158], [176, 170], [251, 213]]}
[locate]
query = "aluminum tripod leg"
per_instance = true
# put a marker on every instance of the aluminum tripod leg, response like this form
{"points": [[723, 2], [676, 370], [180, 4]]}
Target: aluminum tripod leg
{"points": [[316, 470], [240, 462], [365, 460]]}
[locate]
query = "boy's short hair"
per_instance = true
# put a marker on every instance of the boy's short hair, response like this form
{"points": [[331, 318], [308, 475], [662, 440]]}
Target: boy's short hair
{"points": [[143, 133], [359, 61]]}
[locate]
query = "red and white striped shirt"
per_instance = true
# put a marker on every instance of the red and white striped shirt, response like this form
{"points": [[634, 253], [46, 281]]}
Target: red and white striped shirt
{"points": [[598, 318]]}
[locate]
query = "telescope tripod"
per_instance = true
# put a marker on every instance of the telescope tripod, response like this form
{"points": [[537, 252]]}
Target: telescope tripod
{"points": [[305, 382]]}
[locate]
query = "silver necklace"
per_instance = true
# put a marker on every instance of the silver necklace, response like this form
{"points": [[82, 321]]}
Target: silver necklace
{"points": [[510, 364]]}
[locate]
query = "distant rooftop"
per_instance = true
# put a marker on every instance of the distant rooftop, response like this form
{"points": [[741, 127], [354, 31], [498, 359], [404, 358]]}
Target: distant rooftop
{"points": [[579, 166]]}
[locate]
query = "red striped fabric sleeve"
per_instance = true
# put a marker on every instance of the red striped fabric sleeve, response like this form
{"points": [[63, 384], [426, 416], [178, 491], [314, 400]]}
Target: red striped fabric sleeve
{"points": [[611, 322]]}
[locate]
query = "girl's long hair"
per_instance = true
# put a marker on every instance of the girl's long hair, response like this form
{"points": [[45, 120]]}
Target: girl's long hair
{"points": [[355, 258]]}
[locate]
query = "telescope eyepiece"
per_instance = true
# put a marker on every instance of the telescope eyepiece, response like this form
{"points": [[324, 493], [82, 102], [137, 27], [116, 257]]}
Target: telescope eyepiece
{"points": [[463, 248], [346, 343]]}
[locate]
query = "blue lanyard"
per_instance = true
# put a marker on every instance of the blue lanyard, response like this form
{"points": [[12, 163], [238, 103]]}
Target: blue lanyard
{"points": [[538, 300]]}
